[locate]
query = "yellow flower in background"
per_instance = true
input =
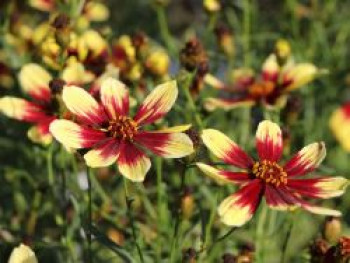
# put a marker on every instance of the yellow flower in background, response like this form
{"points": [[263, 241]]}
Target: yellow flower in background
{"points": [[158, 62], [211, 5], [22, 254], [340, 125]]}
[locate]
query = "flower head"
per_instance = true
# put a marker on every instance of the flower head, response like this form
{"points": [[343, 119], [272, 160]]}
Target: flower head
{"points": [[269, 89], [111, 135], [266, 177], [22, 254]]}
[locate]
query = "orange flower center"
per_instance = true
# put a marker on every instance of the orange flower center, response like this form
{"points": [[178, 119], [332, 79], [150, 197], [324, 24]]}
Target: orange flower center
{"points": [[261, 89], [270, 172], [122, 127]]}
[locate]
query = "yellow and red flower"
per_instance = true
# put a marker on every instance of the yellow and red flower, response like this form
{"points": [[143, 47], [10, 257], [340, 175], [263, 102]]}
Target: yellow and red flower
{"points": [[111, 136], [266, 177], [270, 89], [43, 107], [340, 126]]}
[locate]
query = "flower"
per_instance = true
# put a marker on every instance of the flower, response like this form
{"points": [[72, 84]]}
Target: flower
{"points": [[109, 133], [43, 107], [270, 89], [22, 254], [266, 177], [341, 118]]}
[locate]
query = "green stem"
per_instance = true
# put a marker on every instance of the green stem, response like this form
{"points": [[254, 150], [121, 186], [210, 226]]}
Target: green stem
{"points": [[260, 234], [174, 243], [89, 175], [164, 29], [159, 205], [286, 240], [190, 101], [49, 156], [246, 32], [128, 201], [222, 238], [245, 126], [99, 188]]}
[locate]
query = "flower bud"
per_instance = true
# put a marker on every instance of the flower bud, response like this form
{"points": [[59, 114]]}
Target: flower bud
{"points": [[332, 229], [116, 236], [189, 255], [228, 258], [225, 40], [282, 51], [212, 6], [56, 85], [318, 250], [187, 203], [193, 55], [157, 63], [22, 254]]}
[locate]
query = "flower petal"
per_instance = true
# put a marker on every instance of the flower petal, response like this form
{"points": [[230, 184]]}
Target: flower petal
{"points": [[212, 104], [115, 97], [75, 136], [179, 128], [132, 162], [157, 103], [327, 187], [224, 176], [75, 74], [279, 198], [22, 110], [270, 69], [306, 160], [167, 145], [226, 149], [299, 75], [40, 133], [34, 80], [239, 208], [269, 141], [81, 103], [103, 155], [341, 118]]}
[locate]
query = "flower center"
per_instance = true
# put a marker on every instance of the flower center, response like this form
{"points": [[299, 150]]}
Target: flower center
{"points": [[270, 172], [122, 127]]}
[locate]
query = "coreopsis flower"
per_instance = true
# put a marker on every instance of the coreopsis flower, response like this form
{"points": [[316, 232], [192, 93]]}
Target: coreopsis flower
{"points": [[280, 184], [43, 107], [111, 135], [22, 254], [340, 125], [270, 89]]}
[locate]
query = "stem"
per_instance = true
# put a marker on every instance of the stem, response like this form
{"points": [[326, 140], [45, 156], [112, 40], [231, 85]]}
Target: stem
{"points": [[191, 104], [164, 29], [159, 204], [246, 32], [285, 243], [99, 188], [128, 201], [49, 156], [89, 175], [177, 219], [245, 126], [260, 233]]}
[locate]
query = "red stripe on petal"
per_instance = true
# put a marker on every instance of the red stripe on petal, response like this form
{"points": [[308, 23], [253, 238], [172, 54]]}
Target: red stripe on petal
{"points": [[237, 177], [104, 154], [153, 141], [41, 94], [269, 141], [239, 208], [279, 198]]}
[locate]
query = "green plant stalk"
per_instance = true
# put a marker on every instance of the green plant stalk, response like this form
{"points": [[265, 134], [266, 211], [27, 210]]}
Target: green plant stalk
{"points": [[89, 236], [246, 32], [286, 240], [159, 206], [164, 29], [260, 233], [190, 101], [245, 126], [175, 237], [128, 201], [99, 189], [49, 165]]}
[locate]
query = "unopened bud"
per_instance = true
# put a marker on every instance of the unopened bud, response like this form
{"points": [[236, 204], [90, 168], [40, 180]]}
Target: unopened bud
{"points": [[116, 236], [56, 85], [225, 40], [187, 203], [189, 255], [332, 229], [193, 55], [228, 258], [282, 51], [61, 21], [318, 250]]}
